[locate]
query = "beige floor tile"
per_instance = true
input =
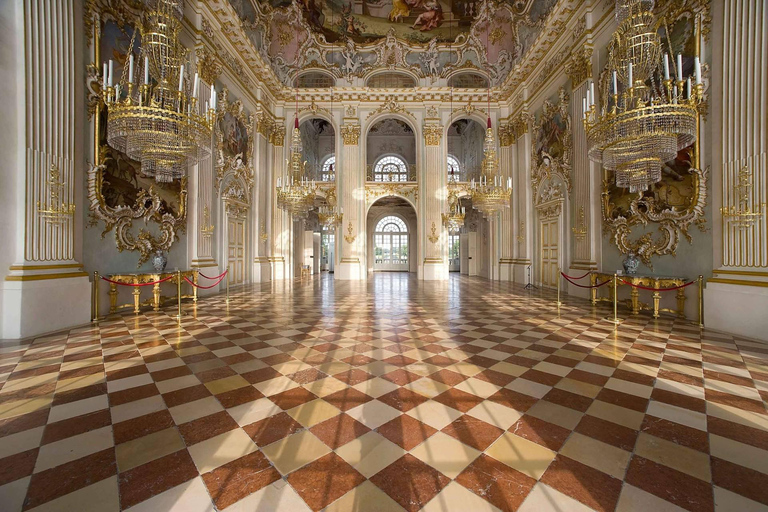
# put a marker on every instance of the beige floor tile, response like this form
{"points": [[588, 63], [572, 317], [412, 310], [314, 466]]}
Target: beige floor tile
{"points": [[219, 450], [187, 381], [191, 496], [596, 454], [275, 497], [434, 414], [251, 412], [578, 387], [528, 387], [72, 409], [373, 414], [148, 448], [28, 382], [681, 458], [191, 351], [334, 367], [365, 498], [727, 501], [554, 369], [99, 497], [445, 454], [137, 408], [291, 367], [532, 354], [477, 387], [248, 366], [466, 369], [194, 410], [376, 387], [80, 382], [20, 441], [682, 368], [509, 369], [544, 498], [630, 388], [736, 415], [274, 386], [616, 414], [379, 368], [165, 364], [738, 453], [129, 382], [495, 414], [456, 497], [19, 407], [570, 354], [525, 456], [313, 412], [72, 448], [427, 387], [295, 451], [734, 389], [557, 414], [633, 499], [423, 369], [676, 414], [642, 369], [370, 453], [680, 388], [226, 384], [599, 369], [12, 494]]}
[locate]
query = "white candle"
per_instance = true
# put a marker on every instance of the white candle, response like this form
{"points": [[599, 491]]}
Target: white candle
{"points": [[104, 77], [278, 182], [679, 67], [688, 87], [181, 77], [630, 76], [588, 100], [584, 106], [697, 70], [615, 89], [130, 68], [111, 71], [666, 67], [509, 182], [213, 95], [591, 94], [194, 89], [146, 70]]}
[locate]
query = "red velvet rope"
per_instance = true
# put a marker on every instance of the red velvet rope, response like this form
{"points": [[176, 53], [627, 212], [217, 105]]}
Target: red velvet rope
{"points": [[658, 289], [204, 287], [138, 284], [212, 278], [583, 286], [576, 278]]}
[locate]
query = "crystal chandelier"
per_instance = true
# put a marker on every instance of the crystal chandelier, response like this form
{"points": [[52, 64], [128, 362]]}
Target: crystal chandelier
{"points": [[295, 192], [158, 123], [644, 123], [490, 193], [454, 219], [329, 216]]}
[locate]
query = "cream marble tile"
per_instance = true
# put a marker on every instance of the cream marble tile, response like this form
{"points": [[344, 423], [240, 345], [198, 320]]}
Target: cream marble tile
{"points": [[20, 441], [738, 453], [275, 386], [191, 496], [477, 387], [528, 387], [727, 501], [373, 414], [194, 410], [366, 497], [630, 388], [434, 414], [226, 384], [166, 386], [148, 448], [578, 387], [72, 448], [78, 408], [734, 389], [80, 382], [28, 382], [445, 454], [376, 387], [680, 388], [681, 458], [553, 369], [15, 408], [605, 457], [633, 499], [427, 387], [495, 414], [311, 413], [275, 497], [456, 497], [525, 456], [676, 414], [557, 414], [99, 497], [509, 368], [251, 412], [13, 493], [129, 382], [370, 453], [736, 415], [616, 414], [544, 498], [219, 450], [295, 451]]}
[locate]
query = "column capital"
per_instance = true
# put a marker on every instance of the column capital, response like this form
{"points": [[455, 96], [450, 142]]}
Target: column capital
{"points": [[579, 67], [433, 134], [350, 133]]}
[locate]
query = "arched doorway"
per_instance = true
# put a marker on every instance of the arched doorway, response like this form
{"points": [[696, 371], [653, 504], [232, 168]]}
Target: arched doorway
{"points": [[392, 236]]}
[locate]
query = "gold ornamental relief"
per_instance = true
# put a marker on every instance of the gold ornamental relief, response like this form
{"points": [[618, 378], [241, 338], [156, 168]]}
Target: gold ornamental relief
{"points": [[350, 134], [208, 65], [579, 67], [433, 134]]}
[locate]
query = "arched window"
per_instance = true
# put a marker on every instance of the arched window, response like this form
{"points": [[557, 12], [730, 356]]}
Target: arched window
{"points": [[391, 224], [454, 170], [390, 168], [328, 172]]}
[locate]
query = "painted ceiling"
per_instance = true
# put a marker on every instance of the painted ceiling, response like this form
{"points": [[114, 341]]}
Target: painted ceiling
{"points": [[428, 38]]}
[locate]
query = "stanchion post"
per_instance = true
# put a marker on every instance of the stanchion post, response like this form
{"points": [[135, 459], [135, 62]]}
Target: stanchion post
{"points": [[701, 302], [227, 284], [615, 320], [178, 292], [95, 298], [559, 278]]}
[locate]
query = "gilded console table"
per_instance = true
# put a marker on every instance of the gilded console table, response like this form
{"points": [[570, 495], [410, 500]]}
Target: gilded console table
{"points": [[140, 278], [658, 283]]}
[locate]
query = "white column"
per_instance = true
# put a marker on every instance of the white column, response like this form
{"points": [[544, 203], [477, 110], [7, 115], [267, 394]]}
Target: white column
{"points": [[432, 188], [280, 235], [350, 179], [262, 204], [45, 288], [506, 228], [525, 203]]}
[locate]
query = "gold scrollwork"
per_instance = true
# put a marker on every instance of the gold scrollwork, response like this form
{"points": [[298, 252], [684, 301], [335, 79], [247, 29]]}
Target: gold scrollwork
{"points": [[579, 68], [349, 237], [434, 237], [391, 106], [208, 65]]}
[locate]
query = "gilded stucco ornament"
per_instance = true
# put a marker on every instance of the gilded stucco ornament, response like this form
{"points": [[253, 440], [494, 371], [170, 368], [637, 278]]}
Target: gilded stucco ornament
{"points": [[350, 134], [208, 66], [391, 106], [579, 67], [432, 134], [376, 190]]}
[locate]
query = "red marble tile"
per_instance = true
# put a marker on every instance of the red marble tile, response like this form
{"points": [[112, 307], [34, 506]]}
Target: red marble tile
{"points": [[17, 466], [274, 428], [242, 477], [583, 483], [261, 375], [607, 432], [567, 399], [679, 488], [741, 433], [307, 376], [403, 399], [239, 396], [744, 481], [548, 379], [323, 481], [638, 378], [676, 433], [346, 399], [410, 482], [207, 427], [679, 400], [186, 395], [494, 377], [401, 377], [150, 479], [588, 377], [339, 430], [457, 399], [499, 484], [216, 374], [473, 432], [739, 402], [77, 425], [132, 394], [353, 377], [406, 431], [292, 398], [171, 373], [513, 399], [143, 425], [625, 400], [23, 422], [73, 395], [448, 377], [541, 432]]}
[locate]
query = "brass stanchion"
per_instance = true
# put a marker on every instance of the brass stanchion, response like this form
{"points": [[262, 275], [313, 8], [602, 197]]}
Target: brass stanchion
{"points": [[701, 302], [227, 284], [615, 320], [559, 277], [178, 292], [95, 298]]}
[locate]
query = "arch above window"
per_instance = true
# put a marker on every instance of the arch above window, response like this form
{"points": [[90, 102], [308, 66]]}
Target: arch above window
{"points": [[391, 224], [328, 171], [468, 81], [390, 168], [391, 81]]}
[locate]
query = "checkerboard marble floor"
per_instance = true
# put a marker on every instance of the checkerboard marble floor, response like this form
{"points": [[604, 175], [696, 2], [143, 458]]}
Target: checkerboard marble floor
{"points": [[391, 395]]}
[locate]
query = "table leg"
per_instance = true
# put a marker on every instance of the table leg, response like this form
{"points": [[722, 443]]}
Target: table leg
{"points": [[656, 299], [112, 298], [634, 294], [136, 296], [156, 296], [194, 288], [593, 291], [681, 302]]}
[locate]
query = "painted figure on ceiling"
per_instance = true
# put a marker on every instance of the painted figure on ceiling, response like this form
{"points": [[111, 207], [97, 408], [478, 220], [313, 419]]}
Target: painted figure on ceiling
{"points": [[431, 18]]}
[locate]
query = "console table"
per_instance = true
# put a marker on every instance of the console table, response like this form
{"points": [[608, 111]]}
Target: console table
{"points": [[649, 281], [139, 278]]}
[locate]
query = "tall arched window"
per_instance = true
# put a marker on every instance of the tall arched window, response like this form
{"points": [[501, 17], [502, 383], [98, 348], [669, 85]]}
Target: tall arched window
{"points": [[390, 168], [328, 172], [454, 171], [390, 239]]}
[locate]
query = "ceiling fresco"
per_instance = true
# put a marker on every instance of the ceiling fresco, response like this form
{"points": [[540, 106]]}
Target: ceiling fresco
{"points": [[428, 38]]}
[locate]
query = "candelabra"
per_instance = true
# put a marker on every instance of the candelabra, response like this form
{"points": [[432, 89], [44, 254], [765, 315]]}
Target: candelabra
{"points": [[644, 124], [454, 219], [160, 126], [329, 216], [490, 193], [295, 192], [743, 216]]}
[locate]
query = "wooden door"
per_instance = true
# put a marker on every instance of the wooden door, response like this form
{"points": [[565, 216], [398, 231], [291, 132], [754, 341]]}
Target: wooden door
{"points": [[236, 250], [550, 251]]}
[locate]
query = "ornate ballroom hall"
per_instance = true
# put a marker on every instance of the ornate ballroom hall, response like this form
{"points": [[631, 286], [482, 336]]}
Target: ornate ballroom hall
{"points": [[384, 255]]}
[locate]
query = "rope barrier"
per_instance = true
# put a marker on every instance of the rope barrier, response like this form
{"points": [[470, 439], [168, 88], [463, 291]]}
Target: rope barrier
{"points": [[138, 284], [657, 289], [576, 278], [212, 278], [584, 286], [205, 287]]}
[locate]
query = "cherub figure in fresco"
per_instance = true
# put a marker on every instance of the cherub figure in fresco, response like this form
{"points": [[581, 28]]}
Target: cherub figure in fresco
{"points": [[348, 23], [431, 18]]}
